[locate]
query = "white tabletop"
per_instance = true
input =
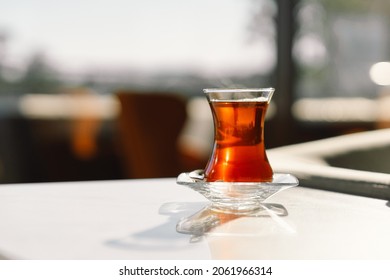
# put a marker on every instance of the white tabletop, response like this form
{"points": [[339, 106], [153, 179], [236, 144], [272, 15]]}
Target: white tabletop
{"points": [[136, 219]]}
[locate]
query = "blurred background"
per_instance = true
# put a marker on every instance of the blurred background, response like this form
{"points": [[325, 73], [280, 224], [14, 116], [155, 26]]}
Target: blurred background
{"points": [[112, 89]]}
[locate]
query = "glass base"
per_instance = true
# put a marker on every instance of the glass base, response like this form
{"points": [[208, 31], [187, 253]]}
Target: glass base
{"points": [[236, 197]]}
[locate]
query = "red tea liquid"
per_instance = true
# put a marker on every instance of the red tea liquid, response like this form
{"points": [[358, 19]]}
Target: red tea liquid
{"points": [[239, 153]]}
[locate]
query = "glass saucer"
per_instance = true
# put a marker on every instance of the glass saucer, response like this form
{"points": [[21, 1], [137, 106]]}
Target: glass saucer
{"points": [[240, 198]]}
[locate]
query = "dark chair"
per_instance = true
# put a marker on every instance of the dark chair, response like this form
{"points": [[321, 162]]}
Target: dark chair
{"points": [[149, 127]]}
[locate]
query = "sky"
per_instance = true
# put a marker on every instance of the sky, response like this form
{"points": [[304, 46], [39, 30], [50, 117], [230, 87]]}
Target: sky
{"points": [[209, 36]]}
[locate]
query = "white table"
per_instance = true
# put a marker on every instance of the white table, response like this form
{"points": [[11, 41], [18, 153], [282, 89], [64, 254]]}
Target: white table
{"points": [[136, 219]]}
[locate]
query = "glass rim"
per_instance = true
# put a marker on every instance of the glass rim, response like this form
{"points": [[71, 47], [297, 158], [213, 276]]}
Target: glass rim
{"points": [[237, 90]]}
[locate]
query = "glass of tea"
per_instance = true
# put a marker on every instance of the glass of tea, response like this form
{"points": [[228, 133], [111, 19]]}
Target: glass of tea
{"points": [[238, 153]]}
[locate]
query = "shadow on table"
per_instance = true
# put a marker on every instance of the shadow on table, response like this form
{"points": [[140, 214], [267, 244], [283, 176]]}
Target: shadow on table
{"points": [[189, 222], [208, 220], [163, 236], [225, 234]]}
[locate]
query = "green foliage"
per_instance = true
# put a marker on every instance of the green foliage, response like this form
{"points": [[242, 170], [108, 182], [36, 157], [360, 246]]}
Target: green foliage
{"points": [[357, 6], [39, 76]]}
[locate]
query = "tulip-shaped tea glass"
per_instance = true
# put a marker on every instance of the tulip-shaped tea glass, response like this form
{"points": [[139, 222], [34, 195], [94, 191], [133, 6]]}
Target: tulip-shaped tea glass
{"points": [[238, 176]]}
